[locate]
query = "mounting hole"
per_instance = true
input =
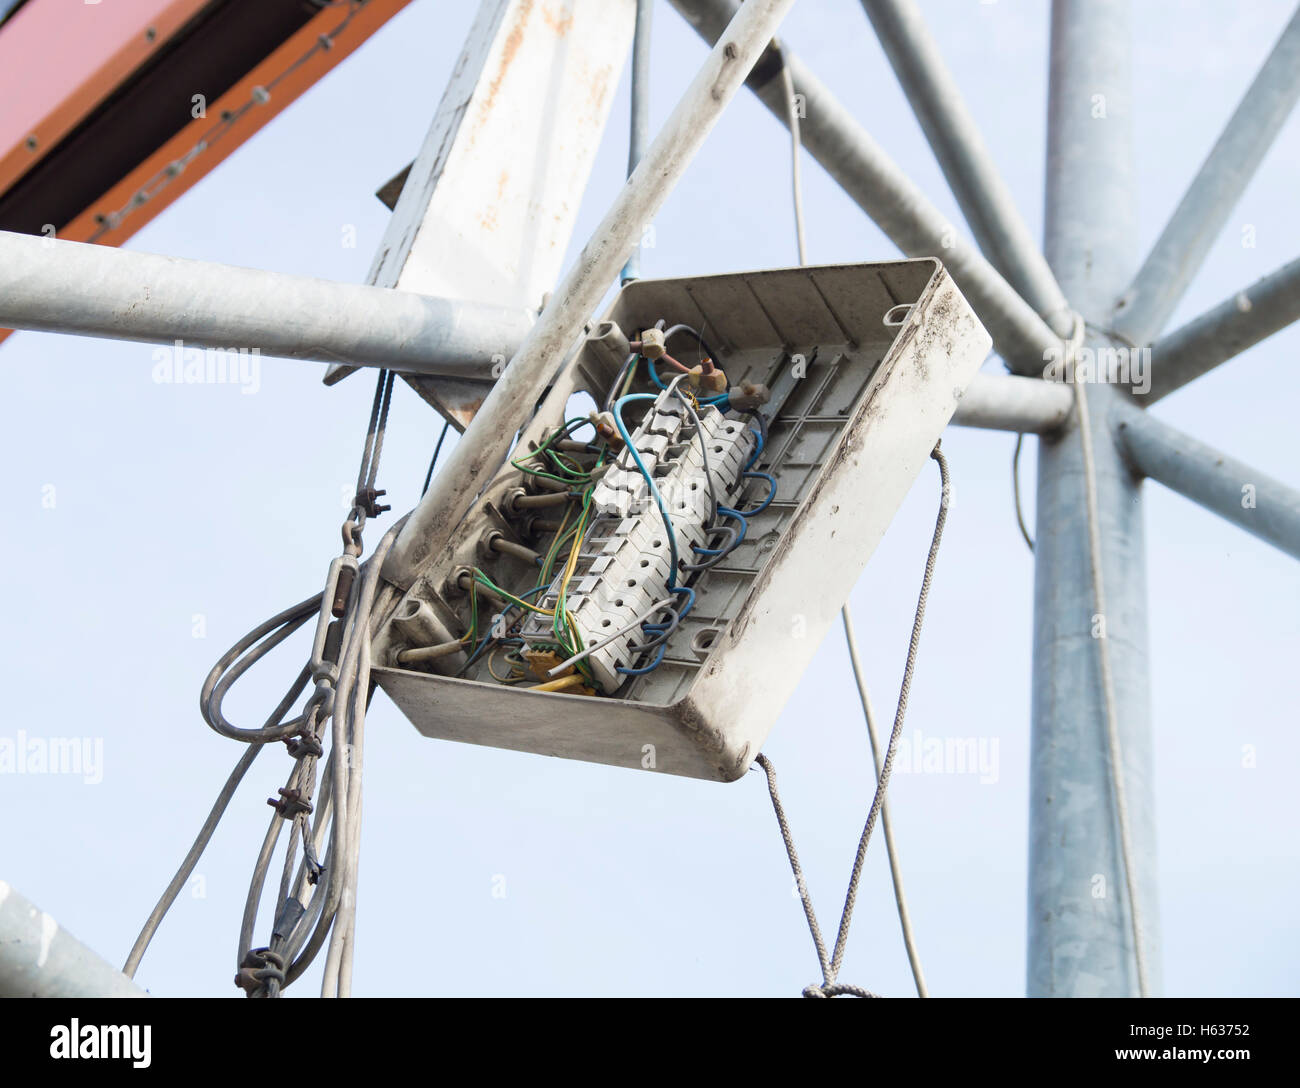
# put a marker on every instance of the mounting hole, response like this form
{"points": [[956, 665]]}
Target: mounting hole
{"points": [[604, 623], [656, 543], [618, 603], [631, 582], [645, 562], [703, 641], [896, 315]]}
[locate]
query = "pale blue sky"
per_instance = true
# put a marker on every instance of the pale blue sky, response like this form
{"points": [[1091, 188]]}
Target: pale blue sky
{"points": [[173, 502]]}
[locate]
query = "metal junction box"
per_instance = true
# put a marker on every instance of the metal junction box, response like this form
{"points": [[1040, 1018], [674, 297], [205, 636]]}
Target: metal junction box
{"points": [[861, 367]]}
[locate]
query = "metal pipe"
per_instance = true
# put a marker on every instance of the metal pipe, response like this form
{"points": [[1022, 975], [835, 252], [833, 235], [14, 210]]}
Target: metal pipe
{"points": [[478, 454], [1080, 928], [538, 502], [1028, 405], [1252, 315], [1236, 492], [39, 958], [422, 655], [954, 137], [639, 128], [88, 290], [502, 546], [876, 184], [1141, 312]]}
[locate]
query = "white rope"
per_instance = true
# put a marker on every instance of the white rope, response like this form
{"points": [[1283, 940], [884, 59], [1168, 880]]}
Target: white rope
{"points": [[887, 826], [1103, 653]]}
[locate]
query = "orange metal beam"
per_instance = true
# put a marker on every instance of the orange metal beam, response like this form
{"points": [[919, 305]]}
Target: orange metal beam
{"points": [[206, 142], [59, 59], [184, 160]]}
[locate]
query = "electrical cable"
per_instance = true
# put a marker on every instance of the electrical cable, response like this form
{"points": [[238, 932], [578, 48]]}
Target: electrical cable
{"points": [[830, 966], [641, 618], [699, 339], [886, 824], [1015, 490], [428, 476], [831, 970], [1115, 750], [654, 491]]}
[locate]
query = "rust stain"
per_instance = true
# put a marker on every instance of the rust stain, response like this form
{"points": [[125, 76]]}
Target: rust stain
{"points": [[466, 411], [561, 24], [508, 53]]}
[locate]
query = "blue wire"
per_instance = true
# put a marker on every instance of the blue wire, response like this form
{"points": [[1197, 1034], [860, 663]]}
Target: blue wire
{"points": [[771, 494], [757, 450], [654, 374], [740, 520], [660, 628], [654, 491], [488, 637]]}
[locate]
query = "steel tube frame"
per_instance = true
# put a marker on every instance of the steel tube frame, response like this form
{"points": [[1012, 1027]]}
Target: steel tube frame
{"points": [[876, 184], [1080, 939], [39, 958], [1142, 311], [1265, 307], [1026, 405], [1236, 492], [954, 137], [639, 126], [90, 290], [476, 456], [87, 290]]}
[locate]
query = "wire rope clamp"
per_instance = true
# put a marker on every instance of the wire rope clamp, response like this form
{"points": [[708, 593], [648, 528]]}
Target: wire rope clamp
{"points": [[291, 803]]}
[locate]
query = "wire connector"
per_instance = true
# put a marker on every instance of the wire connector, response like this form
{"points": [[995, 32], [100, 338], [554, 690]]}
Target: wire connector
{"points": [[291, 803], [259, 967], [367, 500]]}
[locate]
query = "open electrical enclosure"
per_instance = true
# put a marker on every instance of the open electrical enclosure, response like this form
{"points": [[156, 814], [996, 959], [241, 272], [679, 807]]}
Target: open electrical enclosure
{"points": [[862, 367]]}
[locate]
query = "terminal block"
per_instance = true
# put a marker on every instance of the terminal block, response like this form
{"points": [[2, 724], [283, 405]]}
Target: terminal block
{"points": [[629, 560]]}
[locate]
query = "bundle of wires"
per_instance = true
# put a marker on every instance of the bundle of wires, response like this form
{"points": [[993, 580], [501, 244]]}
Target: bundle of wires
{"points": [[731, 534], [548, 462]]}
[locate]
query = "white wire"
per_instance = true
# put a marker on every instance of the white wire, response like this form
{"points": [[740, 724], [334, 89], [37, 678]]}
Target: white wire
{"points": [[896, 876], [886, 823], [1107, 680], [611, 638]]}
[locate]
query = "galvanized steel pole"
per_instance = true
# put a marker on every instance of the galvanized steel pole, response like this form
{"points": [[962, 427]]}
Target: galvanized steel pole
{"points": [[1080, 940], [833, 136], [1141, 312], [88, 290], [1237, 323], [639, 128], [1235, 491], [955, 139], [1010, 403]]}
